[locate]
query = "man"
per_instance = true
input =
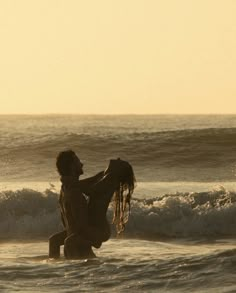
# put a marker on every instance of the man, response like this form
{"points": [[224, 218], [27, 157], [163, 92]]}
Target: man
{"points": [[78, 236]]}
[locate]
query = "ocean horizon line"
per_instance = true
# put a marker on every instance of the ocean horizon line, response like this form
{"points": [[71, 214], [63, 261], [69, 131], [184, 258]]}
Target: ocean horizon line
{"points": [[117, 114]]}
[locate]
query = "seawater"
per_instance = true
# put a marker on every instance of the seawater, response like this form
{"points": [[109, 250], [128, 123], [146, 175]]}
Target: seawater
{"points": [[160, 148], [182, 227], [123, 266]]}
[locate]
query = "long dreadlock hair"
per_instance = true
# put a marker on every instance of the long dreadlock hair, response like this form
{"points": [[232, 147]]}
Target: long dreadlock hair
{"points": [[122, 197]]}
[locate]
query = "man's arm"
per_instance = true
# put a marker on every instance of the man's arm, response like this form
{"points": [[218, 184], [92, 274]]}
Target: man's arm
{"points": [[87, 183]]}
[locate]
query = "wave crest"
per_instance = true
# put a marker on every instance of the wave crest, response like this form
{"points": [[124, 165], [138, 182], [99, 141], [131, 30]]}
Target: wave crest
{"points": [[31, 214]]}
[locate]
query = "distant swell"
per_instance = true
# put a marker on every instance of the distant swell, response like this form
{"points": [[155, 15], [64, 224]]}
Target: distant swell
{"points": [[184, 155], [28, 214]]}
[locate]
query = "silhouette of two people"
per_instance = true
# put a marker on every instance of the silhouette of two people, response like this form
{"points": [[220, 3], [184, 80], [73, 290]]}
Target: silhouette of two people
{"points": [[78, 236]]}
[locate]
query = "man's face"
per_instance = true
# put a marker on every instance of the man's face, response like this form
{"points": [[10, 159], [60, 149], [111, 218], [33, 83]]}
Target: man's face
{"points": [[77, 167]]}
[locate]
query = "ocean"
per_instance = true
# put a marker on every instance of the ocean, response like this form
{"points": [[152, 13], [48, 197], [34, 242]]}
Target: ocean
{"points": [[181, 233]]}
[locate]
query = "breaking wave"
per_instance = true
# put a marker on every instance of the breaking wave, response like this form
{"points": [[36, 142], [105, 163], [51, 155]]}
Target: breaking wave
{"points": [[29, 214]]}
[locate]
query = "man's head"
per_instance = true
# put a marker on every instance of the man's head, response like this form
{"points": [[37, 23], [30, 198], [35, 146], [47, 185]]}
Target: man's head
{"points": [[68, 164]]}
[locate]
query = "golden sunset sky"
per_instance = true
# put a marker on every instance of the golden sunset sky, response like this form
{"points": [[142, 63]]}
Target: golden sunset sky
{"points": [[110, 57]]}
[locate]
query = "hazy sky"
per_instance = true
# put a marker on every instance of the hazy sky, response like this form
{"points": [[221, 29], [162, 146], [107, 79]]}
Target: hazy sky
{"points": [[110, 56]]}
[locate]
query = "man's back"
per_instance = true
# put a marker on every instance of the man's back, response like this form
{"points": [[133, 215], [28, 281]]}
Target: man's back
{"points": [[73, 205]]}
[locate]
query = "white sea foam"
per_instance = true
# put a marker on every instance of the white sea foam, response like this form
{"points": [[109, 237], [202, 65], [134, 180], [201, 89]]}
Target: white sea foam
{"points": [[28, 213]]}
